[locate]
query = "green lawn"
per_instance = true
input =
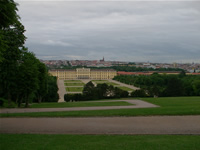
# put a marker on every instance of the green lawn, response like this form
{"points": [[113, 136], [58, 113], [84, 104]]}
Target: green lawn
{"points": [[78, 104], [74, 89], [125, 88], [74, 84], [100, 81], [98, 142], [104, 81], [112, 83], [73, 81], [168, 106]]}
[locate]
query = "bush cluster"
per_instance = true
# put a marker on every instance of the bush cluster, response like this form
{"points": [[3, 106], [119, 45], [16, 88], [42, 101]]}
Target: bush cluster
{"points": [[163, 85], [101, 91]]}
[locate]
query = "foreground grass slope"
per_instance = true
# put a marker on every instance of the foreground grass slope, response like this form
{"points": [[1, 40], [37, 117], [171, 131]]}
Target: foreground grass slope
{"points": [[98, 142], [168, 106]]}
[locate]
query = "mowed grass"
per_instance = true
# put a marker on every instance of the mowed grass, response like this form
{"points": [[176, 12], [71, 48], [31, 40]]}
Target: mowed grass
{"points": [[73, 81], [98, 142], [100, 81], [78, 104], [125, 88], [74, 84], [74, 89], [104, 81], [112, 83], [168, 106]]}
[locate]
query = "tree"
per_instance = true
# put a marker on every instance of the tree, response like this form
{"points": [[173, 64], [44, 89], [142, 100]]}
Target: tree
{"points": [[174, 87], [155, 91], [8, 15], [110, 91], [196, 87], [101, 90], [68, 97], [182, 74], [23, 77], [78, 97], [42, 78], [9, 66], [52, 90], [89, 91], [28, 76], [120, 93], [139, 93], [73, 97]]}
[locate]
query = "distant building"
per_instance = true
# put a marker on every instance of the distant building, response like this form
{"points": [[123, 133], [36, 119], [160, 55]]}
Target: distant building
{"points": [[84, 73], [102, 60]]}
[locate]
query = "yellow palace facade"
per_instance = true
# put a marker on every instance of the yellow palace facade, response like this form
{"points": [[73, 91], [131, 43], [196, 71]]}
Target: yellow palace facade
{"points": [[84, 73]]}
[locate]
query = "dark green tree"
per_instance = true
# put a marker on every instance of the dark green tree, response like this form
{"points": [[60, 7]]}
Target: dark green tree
{"points": [[139, 93], [8, 15], [120, 93], [78, 97], [42, 79], [12, 55], [22, 76], [102, 89], [174, 87], [29, 81], [182, 74], [110, 91], [196, 87], [52, 90], [68, 97], [89, 91]]}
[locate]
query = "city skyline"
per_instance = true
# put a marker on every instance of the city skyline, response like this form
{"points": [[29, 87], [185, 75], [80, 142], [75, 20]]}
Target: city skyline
{"points": [[160, 32]]}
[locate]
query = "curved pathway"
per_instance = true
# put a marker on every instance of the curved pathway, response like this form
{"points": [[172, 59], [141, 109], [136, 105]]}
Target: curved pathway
{"points": [[103, 125], [61, 90], [123, 84], [136, 104]]}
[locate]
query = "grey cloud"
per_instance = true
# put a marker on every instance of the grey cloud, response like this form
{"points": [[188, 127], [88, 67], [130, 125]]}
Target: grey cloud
{"points": [[127, 31]]}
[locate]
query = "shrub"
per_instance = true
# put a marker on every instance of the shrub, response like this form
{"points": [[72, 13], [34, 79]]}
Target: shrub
{"points": [[2, 101], [73, 97], [68, 97], [139, 93]]}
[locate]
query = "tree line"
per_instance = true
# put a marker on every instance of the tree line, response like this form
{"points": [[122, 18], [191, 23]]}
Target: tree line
{"points": [[135, 69], [120, 68], [163, 85], [23, 78], [101, 91]]}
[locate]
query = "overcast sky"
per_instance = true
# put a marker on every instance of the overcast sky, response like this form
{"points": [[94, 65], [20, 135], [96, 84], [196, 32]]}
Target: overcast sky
{"points": [[154, 31]]}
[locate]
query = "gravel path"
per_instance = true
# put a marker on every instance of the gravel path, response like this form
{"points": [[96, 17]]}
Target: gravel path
{"points": [[126, 85], [103, 125], [137, 104], [61, 90]]}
